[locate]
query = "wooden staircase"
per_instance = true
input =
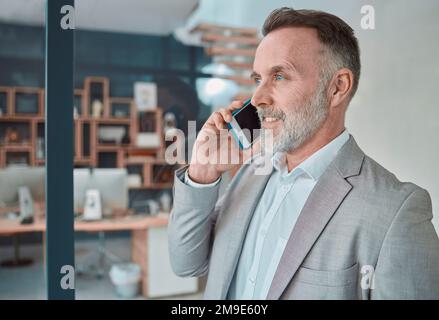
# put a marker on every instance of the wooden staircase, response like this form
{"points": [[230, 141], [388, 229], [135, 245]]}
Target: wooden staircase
{"points": [[235, 48]]}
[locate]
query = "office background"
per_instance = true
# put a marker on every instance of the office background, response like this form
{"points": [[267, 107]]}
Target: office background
{"points": [[394, 115]]}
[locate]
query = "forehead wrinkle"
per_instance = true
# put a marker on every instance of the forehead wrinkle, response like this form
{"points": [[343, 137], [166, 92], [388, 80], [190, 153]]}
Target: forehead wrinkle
{"points": [[287, 66]]}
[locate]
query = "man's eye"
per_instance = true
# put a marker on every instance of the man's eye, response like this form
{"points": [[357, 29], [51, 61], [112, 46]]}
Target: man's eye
{"points": [[279, 77], [257, 80]]}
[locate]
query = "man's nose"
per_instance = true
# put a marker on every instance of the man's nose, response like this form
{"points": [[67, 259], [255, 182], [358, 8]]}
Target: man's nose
{"points": [[262, 96]]}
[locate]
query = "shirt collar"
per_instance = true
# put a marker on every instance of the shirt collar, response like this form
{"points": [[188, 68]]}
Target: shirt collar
{"points": [[316, 164]]}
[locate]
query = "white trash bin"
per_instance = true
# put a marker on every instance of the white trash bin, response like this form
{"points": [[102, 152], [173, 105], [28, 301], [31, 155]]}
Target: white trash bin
{"points": [[126, 278]]}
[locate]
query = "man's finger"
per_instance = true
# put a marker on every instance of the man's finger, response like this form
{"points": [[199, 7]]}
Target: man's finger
{"points": [[236, 104], [218, 120], [227, 114]]}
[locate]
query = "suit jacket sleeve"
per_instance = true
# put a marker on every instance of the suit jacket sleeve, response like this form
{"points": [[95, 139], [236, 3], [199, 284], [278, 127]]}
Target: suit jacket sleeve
{"points": [[408, 263], [191, 225]]}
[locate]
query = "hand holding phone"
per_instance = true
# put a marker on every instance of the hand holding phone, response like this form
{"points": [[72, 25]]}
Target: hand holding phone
{"points": [[219, 120], [245, 125]]}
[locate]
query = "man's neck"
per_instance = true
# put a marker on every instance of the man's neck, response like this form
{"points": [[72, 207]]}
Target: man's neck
{"points": [[320, 139]]}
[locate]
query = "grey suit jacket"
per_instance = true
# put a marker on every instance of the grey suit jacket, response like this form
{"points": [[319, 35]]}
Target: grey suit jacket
{"points": [[358, 218]]}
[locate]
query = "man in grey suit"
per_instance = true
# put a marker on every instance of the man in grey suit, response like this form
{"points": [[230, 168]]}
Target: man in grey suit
{"points": [[326, 221]]}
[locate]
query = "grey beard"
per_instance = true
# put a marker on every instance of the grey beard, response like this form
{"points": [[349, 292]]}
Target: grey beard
{"points": [[300, 124]]}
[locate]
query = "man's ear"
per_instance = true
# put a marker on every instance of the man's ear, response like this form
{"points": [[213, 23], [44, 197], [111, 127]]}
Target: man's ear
{"points": [[340, 87]]}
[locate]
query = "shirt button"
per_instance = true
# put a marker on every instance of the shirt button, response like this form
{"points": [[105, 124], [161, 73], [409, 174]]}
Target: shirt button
{"points": [[252, 280]]}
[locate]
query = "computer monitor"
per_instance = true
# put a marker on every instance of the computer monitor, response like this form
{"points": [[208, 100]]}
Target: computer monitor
{"points": [[13, 177], [111, 183], [81, 180], [20, 186]]}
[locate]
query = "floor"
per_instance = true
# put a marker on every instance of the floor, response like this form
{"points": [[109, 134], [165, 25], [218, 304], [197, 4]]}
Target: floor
{"points": [[29, 283]]}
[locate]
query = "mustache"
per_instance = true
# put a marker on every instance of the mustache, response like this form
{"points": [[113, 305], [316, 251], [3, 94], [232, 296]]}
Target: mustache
{"points": [[270, 112]]}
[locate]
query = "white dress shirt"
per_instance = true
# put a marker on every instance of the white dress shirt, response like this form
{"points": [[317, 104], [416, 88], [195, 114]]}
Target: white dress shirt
{"points": [[274, 218]]}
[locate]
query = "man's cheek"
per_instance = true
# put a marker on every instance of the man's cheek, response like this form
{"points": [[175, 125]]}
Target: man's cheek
{"points": [[291, 100], [297, 95]]}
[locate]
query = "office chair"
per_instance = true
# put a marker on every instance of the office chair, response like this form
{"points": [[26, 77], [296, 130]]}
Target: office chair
{"points": [[99, 261], [18, 261]]}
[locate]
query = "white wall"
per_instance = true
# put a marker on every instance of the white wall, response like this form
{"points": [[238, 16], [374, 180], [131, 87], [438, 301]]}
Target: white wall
{"points": [[395, 116]]}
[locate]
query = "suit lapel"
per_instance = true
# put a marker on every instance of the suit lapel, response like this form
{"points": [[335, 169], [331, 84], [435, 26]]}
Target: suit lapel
{"points": [[326, 197], [318, 210]]}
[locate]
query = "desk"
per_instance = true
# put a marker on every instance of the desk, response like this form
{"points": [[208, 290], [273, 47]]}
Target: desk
{"points": [[138, 225], [11, 227]]}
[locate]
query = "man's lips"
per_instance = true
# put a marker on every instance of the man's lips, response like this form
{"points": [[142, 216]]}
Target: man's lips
{"points": [[270, 122]]}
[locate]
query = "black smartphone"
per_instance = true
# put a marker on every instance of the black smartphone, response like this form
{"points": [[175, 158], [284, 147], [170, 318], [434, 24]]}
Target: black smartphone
{"points": [[245, 125]]}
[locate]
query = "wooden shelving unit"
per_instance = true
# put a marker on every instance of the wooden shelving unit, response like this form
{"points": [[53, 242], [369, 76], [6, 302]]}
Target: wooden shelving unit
{"points": [[96, 114], [5, 100], [156, 173]]}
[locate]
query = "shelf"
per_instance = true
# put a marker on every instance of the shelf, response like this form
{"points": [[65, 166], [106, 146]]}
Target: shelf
{"points": [[112, 120], [23, 118], [224, 51], [124, 106], [82, 162], [111, 147], [137, 148], [105, 120], [207, 27], [17, 155], [138, 160], [9, 118], [17, 148], [96, 88], [20, 93], [82, 118], [89, 150]]}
